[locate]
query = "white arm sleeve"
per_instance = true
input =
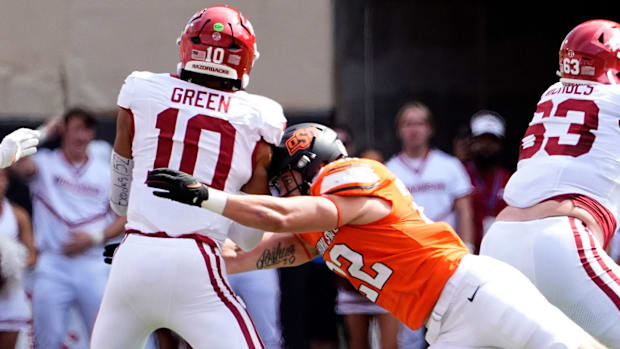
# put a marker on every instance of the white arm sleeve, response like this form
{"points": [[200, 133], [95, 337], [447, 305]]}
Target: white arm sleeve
{"points": [[245, 237], [120, 173]]}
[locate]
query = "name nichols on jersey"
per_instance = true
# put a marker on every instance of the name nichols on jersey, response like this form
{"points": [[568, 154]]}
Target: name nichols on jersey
{"points": [[585, 90]]}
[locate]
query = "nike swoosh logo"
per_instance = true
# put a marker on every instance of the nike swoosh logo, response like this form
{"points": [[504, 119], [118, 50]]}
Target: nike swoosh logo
{"points": [[194, 185], [471, 299]]}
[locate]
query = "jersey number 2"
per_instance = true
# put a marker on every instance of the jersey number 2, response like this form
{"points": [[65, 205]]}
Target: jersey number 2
{"points": [[535, 134], [382, 271], [166, 123]]}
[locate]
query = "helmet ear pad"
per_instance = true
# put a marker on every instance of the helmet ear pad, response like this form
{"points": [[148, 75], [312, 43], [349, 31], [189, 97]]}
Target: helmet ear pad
{"points": [[306, 148], [219, 41]]}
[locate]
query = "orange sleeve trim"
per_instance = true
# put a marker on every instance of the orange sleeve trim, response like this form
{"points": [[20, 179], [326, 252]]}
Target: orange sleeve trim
{"points": [[303, 245], [337, 210]]}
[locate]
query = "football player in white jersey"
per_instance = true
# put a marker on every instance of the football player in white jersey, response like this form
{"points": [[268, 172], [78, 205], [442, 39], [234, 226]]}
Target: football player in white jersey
{"points": [[168, 272], [564, 199], [16, 251]]}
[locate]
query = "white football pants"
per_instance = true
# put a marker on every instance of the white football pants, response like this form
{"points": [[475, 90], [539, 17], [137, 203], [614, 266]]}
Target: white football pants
{"points": [[174, 283], [562, 258], [489, 304]]}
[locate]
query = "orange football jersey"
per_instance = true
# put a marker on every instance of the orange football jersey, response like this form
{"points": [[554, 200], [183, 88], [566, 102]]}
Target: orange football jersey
{"points": [[402, 261]]}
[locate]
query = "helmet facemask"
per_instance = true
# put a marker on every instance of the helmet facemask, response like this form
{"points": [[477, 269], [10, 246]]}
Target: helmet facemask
{"points": [[301, 185]]}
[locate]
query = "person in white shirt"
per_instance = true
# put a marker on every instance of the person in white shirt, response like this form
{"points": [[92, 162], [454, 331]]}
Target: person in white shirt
{"points": [[69, 188], [438, 181], [17, 252]]}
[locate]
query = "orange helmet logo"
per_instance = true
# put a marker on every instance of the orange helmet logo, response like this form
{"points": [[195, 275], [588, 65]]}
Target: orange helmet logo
{"points": [[301, 139]]}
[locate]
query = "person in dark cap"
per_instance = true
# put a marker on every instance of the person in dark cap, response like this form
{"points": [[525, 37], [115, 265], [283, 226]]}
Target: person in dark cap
{"points": [[487, 175]]}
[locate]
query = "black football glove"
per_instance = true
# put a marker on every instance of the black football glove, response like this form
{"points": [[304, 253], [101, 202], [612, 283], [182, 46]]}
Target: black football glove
{"points": [[177, 186], [108, 252]]}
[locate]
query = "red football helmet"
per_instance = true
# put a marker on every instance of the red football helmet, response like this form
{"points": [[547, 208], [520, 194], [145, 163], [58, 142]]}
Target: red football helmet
{"points": [[219, 41], [591, 51]]}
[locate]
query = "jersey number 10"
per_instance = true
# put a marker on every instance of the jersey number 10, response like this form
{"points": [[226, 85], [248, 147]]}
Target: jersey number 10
{"points": [[535, 133], [166, 123]]}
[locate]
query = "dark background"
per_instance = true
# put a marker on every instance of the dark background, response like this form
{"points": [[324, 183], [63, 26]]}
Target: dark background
{"points": [[455, 56]]}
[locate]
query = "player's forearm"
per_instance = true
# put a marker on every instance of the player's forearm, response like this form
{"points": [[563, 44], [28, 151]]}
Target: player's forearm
{"points": [[291, 214], [115, 228], [282, 215], [274, 251]]}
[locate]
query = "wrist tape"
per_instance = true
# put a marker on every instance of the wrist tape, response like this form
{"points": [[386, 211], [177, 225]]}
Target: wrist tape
{"points": [[216, 201]]}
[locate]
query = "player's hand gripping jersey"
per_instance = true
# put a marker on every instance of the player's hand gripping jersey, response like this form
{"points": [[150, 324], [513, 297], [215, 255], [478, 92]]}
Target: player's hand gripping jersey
{"points": [[208, 133], [406, 258], [572, 146]]}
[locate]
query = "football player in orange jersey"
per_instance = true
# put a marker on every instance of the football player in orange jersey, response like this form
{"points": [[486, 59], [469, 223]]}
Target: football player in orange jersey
{"points": [[369, 230]]}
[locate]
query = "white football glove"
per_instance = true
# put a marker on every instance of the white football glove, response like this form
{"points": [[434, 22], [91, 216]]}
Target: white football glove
{"points": [[18, 144]]}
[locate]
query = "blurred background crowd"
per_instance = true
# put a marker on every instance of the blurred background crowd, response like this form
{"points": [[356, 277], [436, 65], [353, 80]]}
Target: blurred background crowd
{"points": [[439, 91]]}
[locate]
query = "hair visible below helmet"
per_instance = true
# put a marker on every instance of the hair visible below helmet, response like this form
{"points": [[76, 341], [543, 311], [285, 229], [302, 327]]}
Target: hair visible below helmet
{"points": [[219, 41], [591, 51], [305, 148]]}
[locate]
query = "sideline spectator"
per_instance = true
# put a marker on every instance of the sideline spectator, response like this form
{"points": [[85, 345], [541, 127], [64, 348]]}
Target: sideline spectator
{"points": [[69, 187], [18, 245], [372, 153], [438, 181], [487, 175]]}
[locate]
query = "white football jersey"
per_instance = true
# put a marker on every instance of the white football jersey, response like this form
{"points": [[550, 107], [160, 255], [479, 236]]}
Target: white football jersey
{"points": [[210, 134], [435, 181], [68, 198], [572, 145], [8, 221]]}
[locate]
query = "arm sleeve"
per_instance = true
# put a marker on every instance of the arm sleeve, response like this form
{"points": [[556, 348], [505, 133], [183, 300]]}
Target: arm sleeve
{"points": [[245, 237], [120, 183]]}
